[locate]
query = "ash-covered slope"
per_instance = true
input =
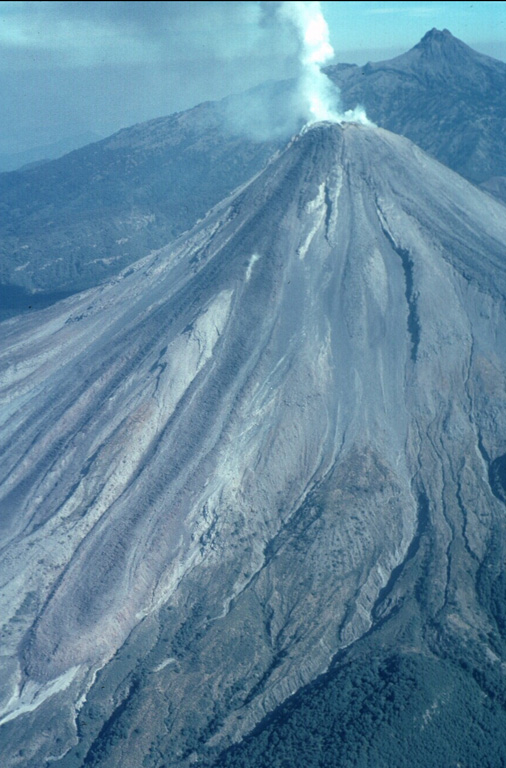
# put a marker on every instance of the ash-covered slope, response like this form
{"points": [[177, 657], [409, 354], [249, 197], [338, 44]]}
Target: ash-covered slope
{"points": [[280, 438], [443, 95]]}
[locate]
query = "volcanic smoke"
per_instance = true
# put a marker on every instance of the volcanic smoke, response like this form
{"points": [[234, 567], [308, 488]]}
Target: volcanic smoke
{"points": [[319, 97]]}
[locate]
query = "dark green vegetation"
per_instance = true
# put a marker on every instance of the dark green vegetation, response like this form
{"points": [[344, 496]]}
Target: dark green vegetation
{"points": [[404, 710], [405, 696], [408, 709]]}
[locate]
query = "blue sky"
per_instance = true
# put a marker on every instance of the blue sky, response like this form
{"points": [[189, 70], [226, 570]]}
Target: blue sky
{"points": [[71, 67]]}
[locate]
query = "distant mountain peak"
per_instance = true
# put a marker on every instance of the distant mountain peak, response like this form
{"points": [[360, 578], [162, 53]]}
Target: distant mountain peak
{"points": [[439, 56], [440, 45], [437, 35], [444, 96], [437, 40]]}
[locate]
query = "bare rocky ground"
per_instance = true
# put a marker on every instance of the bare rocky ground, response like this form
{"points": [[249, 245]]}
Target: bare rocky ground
{"points": [[275, 444]]}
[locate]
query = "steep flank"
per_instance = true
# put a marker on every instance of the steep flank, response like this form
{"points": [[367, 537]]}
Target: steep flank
{"points": [[273, 448]]}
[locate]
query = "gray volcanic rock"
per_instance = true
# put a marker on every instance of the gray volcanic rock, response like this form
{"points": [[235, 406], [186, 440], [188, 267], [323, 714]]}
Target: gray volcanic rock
{"points": [[444, 96], [243, 454]]}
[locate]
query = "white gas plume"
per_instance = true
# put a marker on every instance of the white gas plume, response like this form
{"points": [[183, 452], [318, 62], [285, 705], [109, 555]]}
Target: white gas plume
{"points": [[277, 109], [319, 97]]}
